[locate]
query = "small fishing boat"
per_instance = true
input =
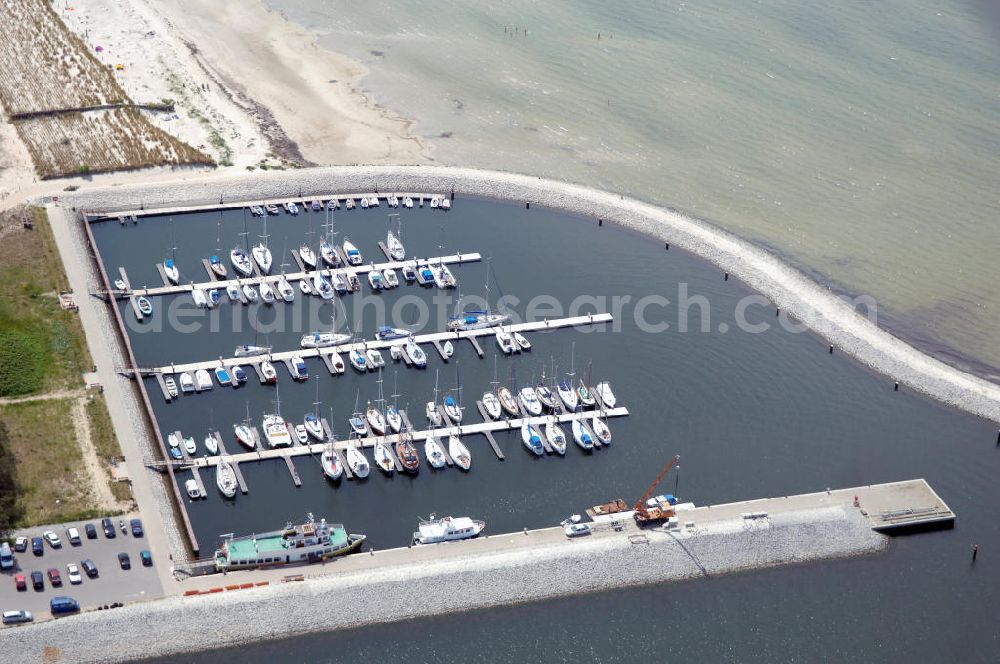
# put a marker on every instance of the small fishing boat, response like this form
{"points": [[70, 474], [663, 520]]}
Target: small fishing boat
{"points": [[392, 201], [396, 250], [313, 426], [239, 375], [601, 429], [247, 350], [375, 359], [218, 267], [445, 204], [322, 339], [305, 287], [434, 453], [447, 529], [211, 445], [293, 209], [353, 256], [332, 467], [268, 372], [299, 370], [358, 361], [328, 255], [214, 296], [364, 203], [256, 210], [383, 457], [505, 341], [407, 454], [171, 386], [170, 269], [358, 425], [262, 255], [189, 445], [225, 478], [233, 291], [308, 257], [174, 445], [271, 208], [459, 453], [187, 382], [332, 204], [389, 278], [357, 461], [120, 284], [375, 279], [582, 436], [415, 353], [376, 421], [568, 395], [435, 202], [603, 390], [386, 333], [426, 276], [266, 293], [554, 434], [449, 349], [410, 272], [222, 375], [301, 434], [322, 287], [396, 352], [407, 202], [522, 341], [250, 293], [492, 405], [529, 399], [241, 262], [145, 306], [546, 396], [276, 431], [452, 408], [585, 395], [532, 441], [203, 380], [393, 419], [338, 363], [507, 401], [316, 206], [373, 201], [339, 283], [349, 204], [244, 435], [285, 289], [476, 320]]}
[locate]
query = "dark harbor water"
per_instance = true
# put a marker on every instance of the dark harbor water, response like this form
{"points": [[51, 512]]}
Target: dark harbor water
{"points": [[751, 414]]}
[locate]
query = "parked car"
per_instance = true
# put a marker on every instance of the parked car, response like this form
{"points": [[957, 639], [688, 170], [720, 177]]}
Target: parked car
{"points": [[52, 539], [73, 574], [14, 617], [21, 544], [19, 582], [6, 557], [136, 527], [54, 577], [146, 557], [60, 605], [37, 581], [73, 535], [91, 531], [37, 547], [90, 568], [124, 561], [109, 528]]}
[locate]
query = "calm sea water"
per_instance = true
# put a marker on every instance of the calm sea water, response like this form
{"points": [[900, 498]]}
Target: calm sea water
{"points": [[857, 139], [752, 415]]}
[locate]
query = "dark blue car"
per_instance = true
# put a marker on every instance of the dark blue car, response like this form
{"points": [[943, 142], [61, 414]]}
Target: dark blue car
{"points": [[37, 547], [136, 527]]}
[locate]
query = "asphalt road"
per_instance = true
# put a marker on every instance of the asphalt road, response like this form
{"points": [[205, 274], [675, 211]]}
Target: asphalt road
{"points": [[113, 584]]}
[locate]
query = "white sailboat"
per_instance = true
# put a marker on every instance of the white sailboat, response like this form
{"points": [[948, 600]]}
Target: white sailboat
{"points": [[490, 402], [459, 452], [531, 439], [375, 418], [211, 446], [285, 289], [392, 416], [357, 461], [554, 434], [565, 389], [261, 253], [393, 242], [434, 453], [601, 429], [431, 408], [529, 400], [275, 430], [383, 457], [323, 339], [581, 436], [266, 293], [225, 478], [241, 262], [330, 462], [243, 432], [415, 353], [308, 257]]}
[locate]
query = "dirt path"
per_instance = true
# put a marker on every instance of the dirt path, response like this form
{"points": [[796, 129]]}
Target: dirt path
{"points": [[98, 475], [58, 394]]}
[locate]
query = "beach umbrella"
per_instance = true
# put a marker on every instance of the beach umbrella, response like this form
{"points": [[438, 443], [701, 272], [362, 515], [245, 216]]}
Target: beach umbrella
{"points": [[99, 49]]}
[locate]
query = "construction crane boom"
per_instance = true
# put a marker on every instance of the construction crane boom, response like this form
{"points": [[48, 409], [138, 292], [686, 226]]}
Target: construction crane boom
{"points": [[642, 512]]}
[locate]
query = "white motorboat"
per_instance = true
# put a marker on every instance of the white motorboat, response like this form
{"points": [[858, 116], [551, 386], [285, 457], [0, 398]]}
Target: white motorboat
{"points": [[268, 372], [396, 250], [322, 339], [393, 419], [410, 272], [383, 457], [407, 202], [233, 291], [174, 443], [568, 395], [256, 210], [492, 405], [415, 353], [505, 341], [392, 201], [328, 255], [247, 350], [285, 289], [187, 382], [171, 386], [199, 298], [211, 446], [375, 280], [357, 461], [529, 399], [192, 490], [449, 349], [476, 320], [396, 352], [241, 262], [308, 257], [332, 467], [239, 375], [189, 445], [266, 293], [337, 362], [603, 390], [434, 453], [276, 431], [292, 208], [522, 341], [554, 434], [352, 254], [313, 426], [301, 434], [339, 283], [459, 453], [250, 293], [447, 529], [582, 436], [223, 376], [373, 201], [389, 278], [225, 478], [507, 401], [271, 208], [213, 297], [358, 361], [299, 370], [349, 203], [376, 421], [364, 203], [375, 359], [170, 269], [601, 429], [202, 380], [446, 204], [435, 202], [322, 287], [316, 206], [531, 439], [262, 255], [386, 333], [452, 409]]}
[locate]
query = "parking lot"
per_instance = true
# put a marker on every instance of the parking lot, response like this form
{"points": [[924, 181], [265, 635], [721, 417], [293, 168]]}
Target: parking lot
{"points": [[113, 584]]}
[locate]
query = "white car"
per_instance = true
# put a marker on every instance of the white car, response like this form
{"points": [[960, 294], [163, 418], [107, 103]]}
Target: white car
{"points": [[52, 539], [576, 529], [73, 573]]}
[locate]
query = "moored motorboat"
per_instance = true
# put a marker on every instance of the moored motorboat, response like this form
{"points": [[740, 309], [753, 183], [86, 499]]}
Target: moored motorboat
{"points": [[339, 282], [459, 453], [145, 306], [445, 203], [505, 341], [299, 370], [375, 359], [223, 376], [581, 435], [434, 453], [271, 208], [174, 446], [301, 435], [357, 461], [351, 253], [250, 293], [305, 287], [521, 341], [233, 291], [214, 296], [449, 349], [239, 375], [375, 280], [202, 380], [189, 445], [199, 298], [187, 382], [435, 202], [415, 353], [396, 352], [529, 399], [349, 204], [308, 542], [293, 209], [507, 401], [410, 272], [389, 278], [276, 431], [407, 202], [554, 434], [386, 333], [492, 405], [531, 439], [225, 478], [447, 529], [171, 386]]}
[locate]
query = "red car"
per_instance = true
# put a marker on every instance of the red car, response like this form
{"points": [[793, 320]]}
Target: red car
{"points": [[54, 577], [20, 582]]}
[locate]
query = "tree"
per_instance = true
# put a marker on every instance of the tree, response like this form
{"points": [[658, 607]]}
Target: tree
{"points": [[11, 511]]}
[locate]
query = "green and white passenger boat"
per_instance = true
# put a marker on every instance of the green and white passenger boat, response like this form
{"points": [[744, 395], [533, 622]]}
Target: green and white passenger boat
{"points": [[308, 542]]}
